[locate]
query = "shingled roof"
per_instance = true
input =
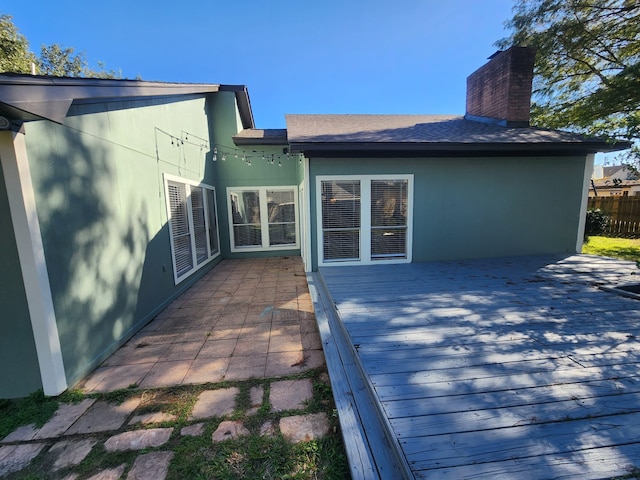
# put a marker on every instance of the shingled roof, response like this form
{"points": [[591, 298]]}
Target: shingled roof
{"points": [[257, 136], [431, 133]]}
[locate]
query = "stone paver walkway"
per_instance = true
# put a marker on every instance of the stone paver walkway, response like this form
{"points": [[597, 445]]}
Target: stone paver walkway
{"points": [[245, 319]]}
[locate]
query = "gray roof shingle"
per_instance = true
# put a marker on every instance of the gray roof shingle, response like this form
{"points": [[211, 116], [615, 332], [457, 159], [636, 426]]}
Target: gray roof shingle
{"points": [[257, 136], [428, 132]]}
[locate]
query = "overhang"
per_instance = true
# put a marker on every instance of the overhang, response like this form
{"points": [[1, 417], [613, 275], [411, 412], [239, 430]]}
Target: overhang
{"points": [[30, 97], [431, 135], [255, 136]]}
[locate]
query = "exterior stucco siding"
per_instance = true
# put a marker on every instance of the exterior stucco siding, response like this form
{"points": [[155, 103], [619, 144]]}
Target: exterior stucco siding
{"points": [[234, 172], [479, 207], [99, 188]]}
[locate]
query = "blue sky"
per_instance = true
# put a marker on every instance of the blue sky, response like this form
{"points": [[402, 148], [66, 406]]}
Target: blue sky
{"points": [[334, 56]]}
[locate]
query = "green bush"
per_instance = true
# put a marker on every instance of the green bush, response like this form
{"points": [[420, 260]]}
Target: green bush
{"points": [[596, 223]]}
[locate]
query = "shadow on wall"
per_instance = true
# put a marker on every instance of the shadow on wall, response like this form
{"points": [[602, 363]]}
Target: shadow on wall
{"points": [[98, 234]]}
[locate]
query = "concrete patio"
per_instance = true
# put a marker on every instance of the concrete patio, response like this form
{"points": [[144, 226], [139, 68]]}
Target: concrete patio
{"points": [[244, 319]]}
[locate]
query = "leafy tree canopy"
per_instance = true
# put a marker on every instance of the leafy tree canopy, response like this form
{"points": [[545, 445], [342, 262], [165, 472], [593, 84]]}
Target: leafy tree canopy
{"points": [[54, 59], [587, 64], [15, 55]]}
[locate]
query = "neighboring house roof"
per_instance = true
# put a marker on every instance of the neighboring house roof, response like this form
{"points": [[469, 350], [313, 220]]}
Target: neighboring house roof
{"points": [[255, 136], [30, 97], [605, 183], [622, 172], [431, 133]]}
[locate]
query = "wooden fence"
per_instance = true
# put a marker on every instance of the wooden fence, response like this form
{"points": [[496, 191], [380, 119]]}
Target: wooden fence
{"points": [[623, 212]]}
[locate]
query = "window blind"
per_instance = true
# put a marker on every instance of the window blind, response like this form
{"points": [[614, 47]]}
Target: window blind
{"points": [[341, 220], [199, 224], [179, 224], [214, 247]]}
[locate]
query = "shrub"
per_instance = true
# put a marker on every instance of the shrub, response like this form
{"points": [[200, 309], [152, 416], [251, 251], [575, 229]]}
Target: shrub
{"points": [[596, 223]]}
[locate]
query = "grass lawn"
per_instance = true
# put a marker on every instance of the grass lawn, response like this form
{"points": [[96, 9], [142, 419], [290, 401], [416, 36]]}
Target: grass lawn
{"points": [[254, 456], [626, 248]]}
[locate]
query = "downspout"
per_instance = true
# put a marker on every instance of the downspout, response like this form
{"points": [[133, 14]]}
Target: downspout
{"points": [[307, 218], [22, 205]]}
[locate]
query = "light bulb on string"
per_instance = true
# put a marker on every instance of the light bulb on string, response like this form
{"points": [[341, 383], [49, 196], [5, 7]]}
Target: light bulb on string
{"points": [[215, 154]]}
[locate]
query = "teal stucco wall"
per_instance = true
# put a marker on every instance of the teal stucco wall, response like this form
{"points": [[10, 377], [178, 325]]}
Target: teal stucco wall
{"points": [[98, 182], [479, 207], [234, 172], [20, 373]]}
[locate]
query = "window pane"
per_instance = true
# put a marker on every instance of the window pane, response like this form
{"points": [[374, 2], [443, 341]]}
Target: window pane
{"points": [[388, 242], [179, 224], [199, 225], [245, 208], [247, 235], [341, 245], [281, 206], [341, 204], [388, 203], [213, 222], [282, 234], [388, 219], [341, 219], [282, 217]]}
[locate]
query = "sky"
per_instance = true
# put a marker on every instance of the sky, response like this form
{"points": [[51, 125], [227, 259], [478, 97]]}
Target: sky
{"points": [[330, 56]]}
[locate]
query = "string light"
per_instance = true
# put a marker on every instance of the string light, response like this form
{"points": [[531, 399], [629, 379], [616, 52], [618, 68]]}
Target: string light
{"points": [[223, 152]]}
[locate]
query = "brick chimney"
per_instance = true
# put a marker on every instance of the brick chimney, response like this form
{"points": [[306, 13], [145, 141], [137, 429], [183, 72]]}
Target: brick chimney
{"points": [[500, 91]]}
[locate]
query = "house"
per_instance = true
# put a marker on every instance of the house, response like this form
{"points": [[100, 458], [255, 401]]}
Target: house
{"points": [[117, 195], [111, 194], [614, 180], [483, 185]]}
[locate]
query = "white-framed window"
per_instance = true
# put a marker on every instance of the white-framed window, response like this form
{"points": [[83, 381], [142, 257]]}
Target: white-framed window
{"points": [[364, 219], [193, 225], [263, 218]]}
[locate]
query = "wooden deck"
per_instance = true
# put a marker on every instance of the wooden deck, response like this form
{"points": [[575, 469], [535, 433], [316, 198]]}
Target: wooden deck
{"points": [[511, 368]]}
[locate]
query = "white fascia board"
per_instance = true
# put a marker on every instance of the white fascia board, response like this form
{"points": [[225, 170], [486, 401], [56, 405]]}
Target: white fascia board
{"points": [[586, 183], [26, 227]]}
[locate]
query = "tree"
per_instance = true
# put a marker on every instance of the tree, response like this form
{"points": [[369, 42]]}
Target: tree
{"points": [[15, 55], [54, 59], [587, 71], [64, 62]]}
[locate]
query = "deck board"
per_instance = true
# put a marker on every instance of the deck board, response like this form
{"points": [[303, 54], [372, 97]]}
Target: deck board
{"points": [[507, 368]]}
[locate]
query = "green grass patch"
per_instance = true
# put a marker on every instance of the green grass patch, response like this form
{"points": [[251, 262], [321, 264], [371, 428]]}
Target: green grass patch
{"points": [[254, 456], [259, 457], [35, 409], [625, 248]]}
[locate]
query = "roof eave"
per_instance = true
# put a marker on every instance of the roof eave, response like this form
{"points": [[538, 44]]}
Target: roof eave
{"points": [[26, 97], [439, 148], [243, 102]]}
